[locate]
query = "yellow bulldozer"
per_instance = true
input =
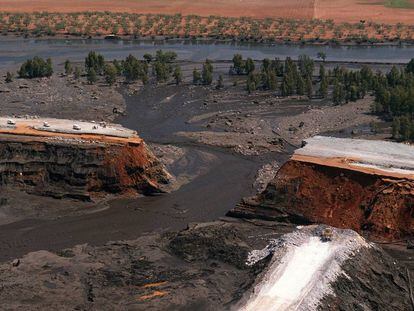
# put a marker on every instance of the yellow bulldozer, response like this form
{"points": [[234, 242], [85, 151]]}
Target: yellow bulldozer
{"points": [[327, 235]]}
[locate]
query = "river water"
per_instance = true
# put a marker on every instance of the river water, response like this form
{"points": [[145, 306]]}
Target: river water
{"points": [[14, 51]]}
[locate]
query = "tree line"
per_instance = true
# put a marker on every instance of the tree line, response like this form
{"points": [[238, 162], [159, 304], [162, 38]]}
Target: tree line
{"points": [[394, 100], [393, 91]]}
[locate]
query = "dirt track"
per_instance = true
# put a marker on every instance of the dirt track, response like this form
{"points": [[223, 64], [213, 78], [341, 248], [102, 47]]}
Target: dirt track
{"points": [[338, 10]]}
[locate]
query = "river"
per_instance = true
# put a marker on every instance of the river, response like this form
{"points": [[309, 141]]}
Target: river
{"points": [[14, 51]]}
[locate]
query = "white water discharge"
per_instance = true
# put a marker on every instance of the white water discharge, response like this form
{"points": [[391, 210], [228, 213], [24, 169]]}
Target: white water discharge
{"points": [[300, 277]]}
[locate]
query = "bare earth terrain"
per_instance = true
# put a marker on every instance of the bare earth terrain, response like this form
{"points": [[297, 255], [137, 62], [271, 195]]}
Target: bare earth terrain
{"points": [[178, 251], [235, 8], [338, 10]]}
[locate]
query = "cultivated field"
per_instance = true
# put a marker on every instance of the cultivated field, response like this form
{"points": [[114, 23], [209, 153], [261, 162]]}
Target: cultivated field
{"points": [[386, 11], [97, 24], [232, 8]]}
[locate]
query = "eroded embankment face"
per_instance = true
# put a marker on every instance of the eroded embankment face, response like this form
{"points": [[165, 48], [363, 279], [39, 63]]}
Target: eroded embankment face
{"points": [[78, 166], [308, 192]]}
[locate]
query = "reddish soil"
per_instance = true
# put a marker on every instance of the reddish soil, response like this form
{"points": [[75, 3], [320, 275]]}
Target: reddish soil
{"points": [[338, 10], [356, 10], [134, 168], [78, 166], [380, 207], [234, 8]]}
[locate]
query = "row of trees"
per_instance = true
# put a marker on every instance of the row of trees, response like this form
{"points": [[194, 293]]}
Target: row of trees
{"points": [[133, 69], [287, 76], [191, 26], [299, 78]]}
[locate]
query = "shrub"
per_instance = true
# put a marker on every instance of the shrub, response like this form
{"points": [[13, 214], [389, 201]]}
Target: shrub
{"points": [[36, 68]]}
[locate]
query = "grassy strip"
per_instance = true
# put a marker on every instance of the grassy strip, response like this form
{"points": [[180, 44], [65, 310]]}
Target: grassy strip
{"points": [[399, 4]]}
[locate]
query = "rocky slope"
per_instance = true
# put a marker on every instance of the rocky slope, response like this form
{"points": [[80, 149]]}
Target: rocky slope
{"points": [[311, 193], [200, 268], [78, 166], [315, 190]]}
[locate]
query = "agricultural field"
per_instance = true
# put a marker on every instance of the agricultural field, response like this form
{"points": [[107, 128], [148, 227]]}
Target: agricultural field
{"points": [[232, 8], [97, 24], [381, 11]]}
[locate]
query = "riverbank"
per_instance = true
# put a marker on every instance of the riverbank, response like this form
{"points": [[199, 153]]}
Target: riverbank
{"points": [[161, 39], [14, 51]]}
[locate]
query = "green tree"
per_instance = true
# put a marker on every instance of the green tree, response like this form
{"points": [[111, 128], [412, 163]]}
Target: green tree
{"points": [[148, 57], [196, 77], [269, 79], [118, 67], [92, 76], [338, 93], [396, 128], [300, 86], [323, 87], [306, 66], [110, 74], [95, 61], [238, 64], [405, 128], [309, 87], [77, 73], [133, 69], [161, 71], [207, 73], [410, 66], [252, 82], [322, 72], [36, 68], [178, 75], [68, 67], [49, 68], [249, 66]]}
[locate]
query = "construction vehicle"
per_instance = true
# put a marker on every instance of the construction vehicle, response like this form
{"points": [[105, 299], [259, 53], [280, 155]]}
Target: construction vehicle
{"points": [[326, 235]]}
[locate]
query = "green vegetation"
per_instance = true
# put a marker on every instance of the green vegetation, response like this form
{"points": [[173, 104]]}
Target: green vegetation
{"points": [[77, 73], [95, 61], [178, 75], [68, 67], [194, 27], [241, 66], [196, 77], [399, 4], [91, 76], [133, 69], [110, 73], [207, 73], [36, 68], [394, 99]]}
